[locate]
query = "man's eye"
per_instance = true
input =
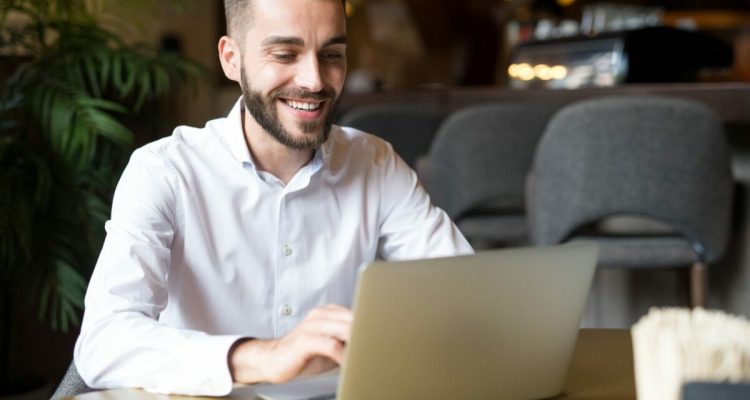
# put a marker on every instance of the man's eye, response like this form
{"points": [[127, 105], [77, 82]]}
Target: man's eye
{"points": [[285, 57], [332, 57]]}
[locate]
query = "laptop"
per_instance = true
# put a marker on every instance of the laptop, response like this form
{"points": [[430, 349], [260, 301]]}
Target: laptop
{"points": [[495, 325]]}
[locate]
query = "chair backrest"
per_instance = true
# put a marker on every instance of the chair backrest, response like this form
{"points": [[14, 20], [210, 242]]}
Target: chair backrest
{"points": [[480, 156], [408, 127], [662, 158], [72, 384]]}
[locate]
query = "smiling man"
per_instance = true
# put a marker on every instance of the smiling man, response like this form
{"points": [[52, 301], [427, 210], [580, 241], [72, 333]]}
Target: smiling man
{"points": [[233, 250]]}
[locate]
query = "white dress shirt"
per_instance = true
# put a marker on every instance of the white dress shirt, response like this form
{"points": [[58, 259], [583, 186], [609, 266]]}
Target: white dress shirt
{"points": [[203, 249]]}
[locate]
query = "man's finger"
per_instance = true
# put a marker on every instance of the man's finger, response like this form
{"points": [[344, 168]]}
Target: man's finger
{"points": [[325, 346], [332, 312], [338, 330]]}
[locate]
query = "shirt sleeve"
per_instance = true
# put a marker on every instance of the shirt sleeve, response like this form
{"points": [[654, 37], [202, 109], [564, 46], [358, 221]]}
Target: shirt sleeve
{"points": [[122, 343], [411, 227]]}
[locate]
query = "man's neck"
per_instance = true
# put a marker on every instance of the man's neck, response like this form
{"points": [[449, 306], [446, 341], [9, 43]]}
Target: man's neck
{"points": [[271, 156]]}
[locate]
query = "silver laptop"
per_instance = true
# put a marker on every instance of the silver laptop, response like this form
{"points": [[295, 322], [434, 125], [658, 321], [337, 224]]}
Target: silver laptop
{"points": [[495, 325]]}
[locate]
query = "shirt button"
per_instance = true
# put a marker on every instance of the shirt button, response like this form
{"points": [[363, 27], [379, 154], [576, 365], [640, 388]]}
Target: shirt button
{"points": [[286, 310], [287, 250]]}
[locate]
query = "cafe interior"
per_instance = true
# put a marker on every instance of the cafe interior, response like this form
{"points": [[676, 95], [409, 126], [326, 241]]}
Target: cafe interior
{"points": [[530, 122]]}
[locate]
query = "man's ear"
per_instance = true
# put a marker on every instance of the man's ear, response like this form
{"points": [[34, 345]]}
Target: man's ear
{"points": [[230, 58]]}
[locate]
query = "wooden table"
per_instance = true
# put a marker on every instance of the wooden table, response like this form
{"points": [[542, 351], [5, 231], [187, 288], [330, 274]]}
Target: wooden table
{"points": [[602, 368]]}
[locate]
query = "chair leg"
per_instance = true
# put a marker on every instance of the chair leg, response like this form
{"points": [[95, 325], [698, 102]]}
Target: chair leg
{"points": [[698, 285]]}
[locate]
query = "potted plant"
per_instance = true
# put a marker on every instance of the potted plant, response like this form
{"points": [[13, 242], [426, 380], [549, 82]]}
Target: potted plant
{"points": [[65, 104]]}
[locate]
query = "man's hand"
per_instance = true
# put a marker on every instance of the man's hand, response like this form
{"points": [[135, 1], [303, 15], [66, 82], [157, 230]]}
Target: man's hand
{"points": [[314, 346]]}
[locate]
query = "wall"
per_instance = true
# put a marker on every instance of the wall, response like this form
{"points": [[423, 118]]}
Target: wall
{"points": [[198, 25]]}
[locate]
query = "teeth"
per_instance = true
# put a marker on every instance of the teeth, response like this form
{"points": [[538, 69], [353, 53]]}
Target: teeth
{"points": [[303, 106]]}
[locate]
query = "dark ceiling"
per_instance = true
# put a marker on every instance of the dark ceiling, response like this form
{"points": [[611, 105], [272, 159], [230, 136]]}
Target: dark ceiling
{"points": [[444, 22]]}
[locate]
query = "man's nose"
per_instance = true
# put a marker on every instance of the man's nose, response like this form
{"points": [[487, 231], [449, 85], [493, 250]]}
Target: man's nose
{"points": [[309, 75]]}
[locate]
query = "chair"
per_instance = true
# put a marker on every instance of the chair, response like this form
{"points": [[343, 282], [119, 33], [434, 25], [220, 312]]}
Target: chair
{"points": [[408, 127], [477, 165], [664, 161], [71, 385]]}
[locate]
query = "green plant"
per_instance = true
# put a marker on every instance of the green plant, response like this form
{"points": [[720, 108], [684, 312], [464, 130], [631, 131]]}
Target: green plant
{"points": [[64, 112]]}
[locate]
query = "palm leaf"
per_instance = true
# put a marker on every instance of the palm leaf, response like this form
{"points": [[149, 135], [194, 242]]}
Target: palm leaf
{"points": [[89, 65], [105, 125], [63, 143]]}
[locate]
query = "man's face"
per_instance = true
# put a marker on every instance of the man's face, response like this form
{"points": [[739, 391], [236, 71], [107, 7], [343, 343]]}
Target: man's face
{"points": [[294, 67]]}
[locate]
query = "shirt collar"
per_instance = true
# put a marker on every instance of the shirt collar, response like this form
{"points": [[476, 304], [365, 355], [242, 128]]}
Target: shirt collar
{"points": [[234, 135], [235, 139]]}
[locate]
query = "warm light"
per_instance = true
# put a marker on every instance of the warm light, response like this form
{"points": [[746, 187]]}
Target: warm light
{"points": [[525, 72], [558, 72], [349, 9], [543, 72], [565, 3], [513, 70]]}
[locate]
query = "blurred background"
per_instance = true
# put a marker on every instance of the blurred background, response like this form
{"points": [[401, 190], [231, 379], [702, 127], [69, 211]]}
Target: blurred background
{"points": [[139, 68], [428, 44]]}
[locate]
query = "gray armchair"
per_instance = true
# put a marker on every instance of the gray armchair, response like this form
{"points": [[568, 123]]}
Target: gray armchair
{"points": [[477, 166], [72, 384], [408, 127], [663, 162]]}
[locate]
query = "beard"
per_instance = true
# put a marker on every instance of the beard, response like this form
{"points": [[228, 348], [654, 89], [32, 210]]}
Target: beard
{"points": [[264, 111]]}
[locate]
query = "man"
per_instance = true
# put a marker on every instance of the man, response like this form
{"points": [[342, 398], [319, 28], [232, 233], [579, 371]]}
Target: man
{"points": [[229, 245]]}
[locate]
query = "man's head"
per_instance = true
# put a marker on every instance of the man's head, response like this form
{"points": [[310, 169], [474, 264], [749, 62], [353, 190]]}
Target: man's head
{"points": [[238, 15], [289, 57]]}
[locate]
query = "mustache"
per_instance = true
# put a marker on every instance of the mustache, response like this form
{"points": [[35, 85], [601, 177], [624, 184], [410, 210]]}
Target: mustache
{"points": [[324, 94]]}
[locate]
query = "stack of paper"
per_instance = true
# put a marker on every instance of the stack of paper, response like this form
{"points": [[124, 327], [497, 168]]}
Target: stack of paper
{"points": [[674, 346]]}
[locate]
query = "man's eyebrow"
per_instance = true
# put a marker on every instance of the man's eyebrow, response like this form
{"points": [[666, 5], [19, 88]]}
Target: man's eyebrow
{"points": [[288, 40], [297, 41], [335, 40]]}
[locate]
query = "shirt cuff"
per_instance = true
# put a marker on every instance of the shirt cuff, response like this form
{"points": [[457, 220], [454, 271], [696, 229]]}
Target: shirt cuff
{"points": [[205, 367]]}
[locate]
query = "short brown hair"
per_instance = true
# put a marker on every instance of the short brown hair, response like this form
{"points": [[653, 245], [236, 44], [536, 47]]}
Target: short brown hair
{"points": [[239, 12]]}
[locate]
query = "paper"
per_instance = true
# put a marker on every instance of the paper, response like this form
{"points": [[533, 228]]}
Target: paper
{"points": [[674, 346]]}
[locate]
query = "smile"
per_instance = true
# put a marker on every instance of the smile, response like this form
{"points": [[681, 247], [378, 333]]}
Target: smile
{"points": [[303, 105]]}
